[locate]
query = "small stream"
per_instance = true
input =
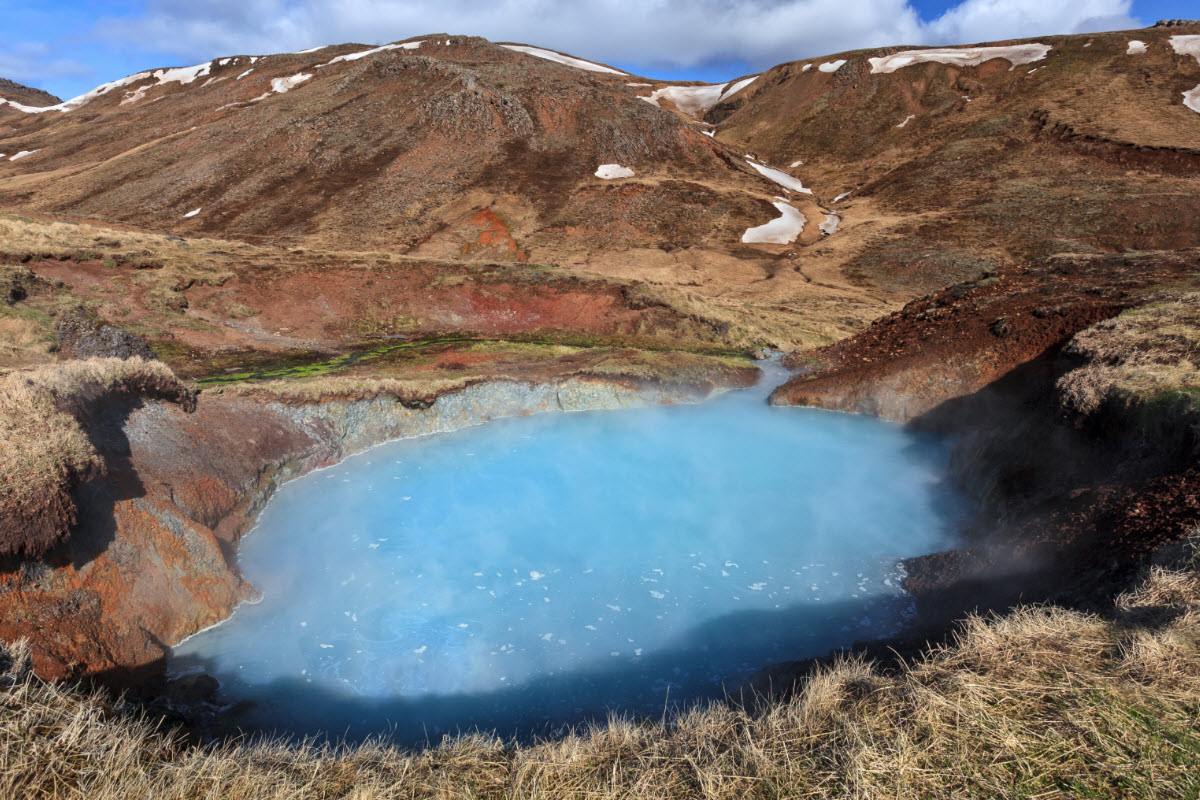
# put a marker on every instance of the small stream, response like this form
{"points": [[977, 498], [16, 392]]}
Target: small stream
{"points": [[549, 569]]}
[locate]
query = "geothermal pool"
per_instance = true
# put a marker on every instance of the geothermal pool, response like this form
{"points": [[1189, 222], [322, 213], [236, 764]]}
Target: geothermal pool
{"points": [[549, 569]]}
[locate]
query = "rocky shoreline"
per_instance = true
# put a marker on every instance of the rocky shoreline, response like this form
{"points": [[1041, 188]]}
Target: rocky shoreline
{"points": [[152, 559], [1076, 437]]}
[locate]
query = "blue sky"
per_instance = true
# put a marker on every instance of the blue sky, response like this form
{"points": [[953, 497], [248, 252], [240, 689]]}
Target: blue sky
{"points": [[70, 46]]}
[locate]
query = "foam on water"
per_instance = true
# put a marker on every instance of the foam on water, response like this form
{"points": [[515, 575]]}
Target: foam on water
{"points": [[543, 570]]}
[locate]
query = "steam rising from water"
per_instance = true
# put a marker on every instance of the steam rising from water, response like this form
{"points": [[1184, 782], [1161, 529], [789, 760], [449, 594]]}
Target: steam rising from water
{"points": [[542, 570]]}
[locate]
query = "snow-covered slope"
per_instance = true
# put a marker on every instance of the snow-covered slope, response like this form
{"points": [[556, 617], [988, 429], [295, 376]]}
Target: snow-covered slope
{"points": [[559, 58]]}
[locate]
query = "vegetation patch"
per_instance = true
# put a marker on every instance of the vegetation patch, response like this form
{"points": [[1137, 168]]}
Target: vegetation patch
{"points": [[1140, 369]]}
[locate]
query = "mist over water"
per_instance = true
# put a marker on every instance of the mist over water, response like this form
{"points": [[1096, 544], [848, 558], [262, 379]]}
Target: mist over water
{"points": [[544, 570]]}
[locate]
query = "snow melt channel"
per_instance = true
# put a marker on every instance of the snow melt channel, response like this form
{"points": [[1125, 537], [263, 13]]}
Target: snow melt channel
{"points": [[779, 176]]}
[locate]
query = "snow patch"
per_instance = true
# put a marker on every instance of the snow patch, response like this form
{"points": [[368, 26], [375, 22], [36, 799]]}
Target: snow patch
{"points": [[1016, 54], [907, 120], [191, 214], [81, 100], [24, 153], [639, 85], [281, 85], [779, 176], [161, 76], [1136, 47], [843, 196], [371, 52], [783, 230], [136, 95], [1191, 99], [559, 58], [182, 75], [737, 87], [830, 225], [612, 171], [1187, 46], [806, 68], [244, 74], [696, 100], [832, 66]]}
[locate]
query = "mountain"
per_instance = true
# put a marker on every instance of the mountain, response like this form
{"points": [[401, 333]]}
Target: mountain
{"points": [[397, 148]]}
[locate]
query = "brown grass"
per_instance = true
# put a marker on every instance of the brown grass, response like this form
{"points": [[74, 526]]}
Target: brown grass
{"points": [[1145, 354], [46, 450], [1042, 702]]}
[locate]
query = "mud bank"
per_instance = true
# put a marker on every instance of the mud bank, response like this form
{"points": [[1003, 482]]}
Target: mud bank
{"points": [[153, 556]]}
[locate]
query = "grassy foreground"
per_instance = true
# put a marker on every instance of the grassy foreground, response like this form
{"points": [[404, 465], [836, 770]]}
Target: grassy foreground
{"points": [[46, 452], [1042, 702]]}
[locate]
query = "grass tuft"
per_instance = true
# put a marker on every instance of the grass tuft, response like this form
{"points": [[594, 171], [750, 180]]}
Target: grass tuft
{"points": [[47, 451]]}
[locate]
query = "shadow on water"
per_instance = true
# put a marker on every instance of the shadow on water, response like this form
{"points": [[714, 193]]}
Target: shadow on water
{"points": [[709, 662]]}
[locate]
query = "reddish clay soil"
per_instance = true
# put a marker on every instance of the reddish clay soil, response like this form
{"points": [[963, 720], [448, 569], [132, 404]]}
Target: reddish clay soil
{"points": [[958, 340], [273, 307]]}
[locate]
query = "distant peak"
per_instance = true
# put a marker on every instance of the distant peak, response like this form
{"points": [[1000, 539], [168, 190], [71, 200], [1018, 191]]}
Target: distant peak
{"points": [[11, 90]]}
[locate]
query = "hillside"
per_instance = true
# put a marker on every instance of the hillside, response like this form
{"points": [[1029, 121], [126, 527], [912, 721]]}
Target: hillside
{"points": [[940, 167], [362, 149], [27, 95]]}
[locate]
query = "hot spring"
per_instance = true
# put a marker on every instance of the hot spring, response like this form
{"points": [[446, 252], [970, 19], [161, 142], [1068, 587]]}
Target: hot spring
{"points": [[550, 569]]}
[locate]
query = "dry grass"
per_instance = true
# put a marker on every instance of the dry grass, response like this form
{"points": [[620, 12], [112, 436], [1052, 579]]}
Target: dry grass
{"points": [[1147, 354], [46, 450], [325, 388], [1042, 702]]}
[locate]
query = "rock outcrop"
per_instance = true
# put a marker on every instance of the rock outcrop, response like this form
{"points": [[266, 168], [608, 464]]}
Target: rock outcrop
{"points": [[80, 337]]}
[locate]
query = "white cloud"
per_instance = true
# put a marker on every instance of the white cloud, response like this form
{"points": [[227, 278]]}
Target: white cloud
{"points": [[34, 62], [653, 33], [988, 20]]}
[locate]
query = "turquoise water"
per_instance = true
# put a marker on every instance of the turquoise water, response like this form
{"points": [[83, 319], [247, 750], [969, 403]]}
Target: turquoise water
{"points": [[544, 570]]}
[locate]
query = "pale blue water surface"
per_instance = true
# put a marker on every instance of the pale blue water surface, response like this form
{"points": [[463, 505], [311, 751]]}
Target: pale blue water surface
{"points": [[544, 570]]}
